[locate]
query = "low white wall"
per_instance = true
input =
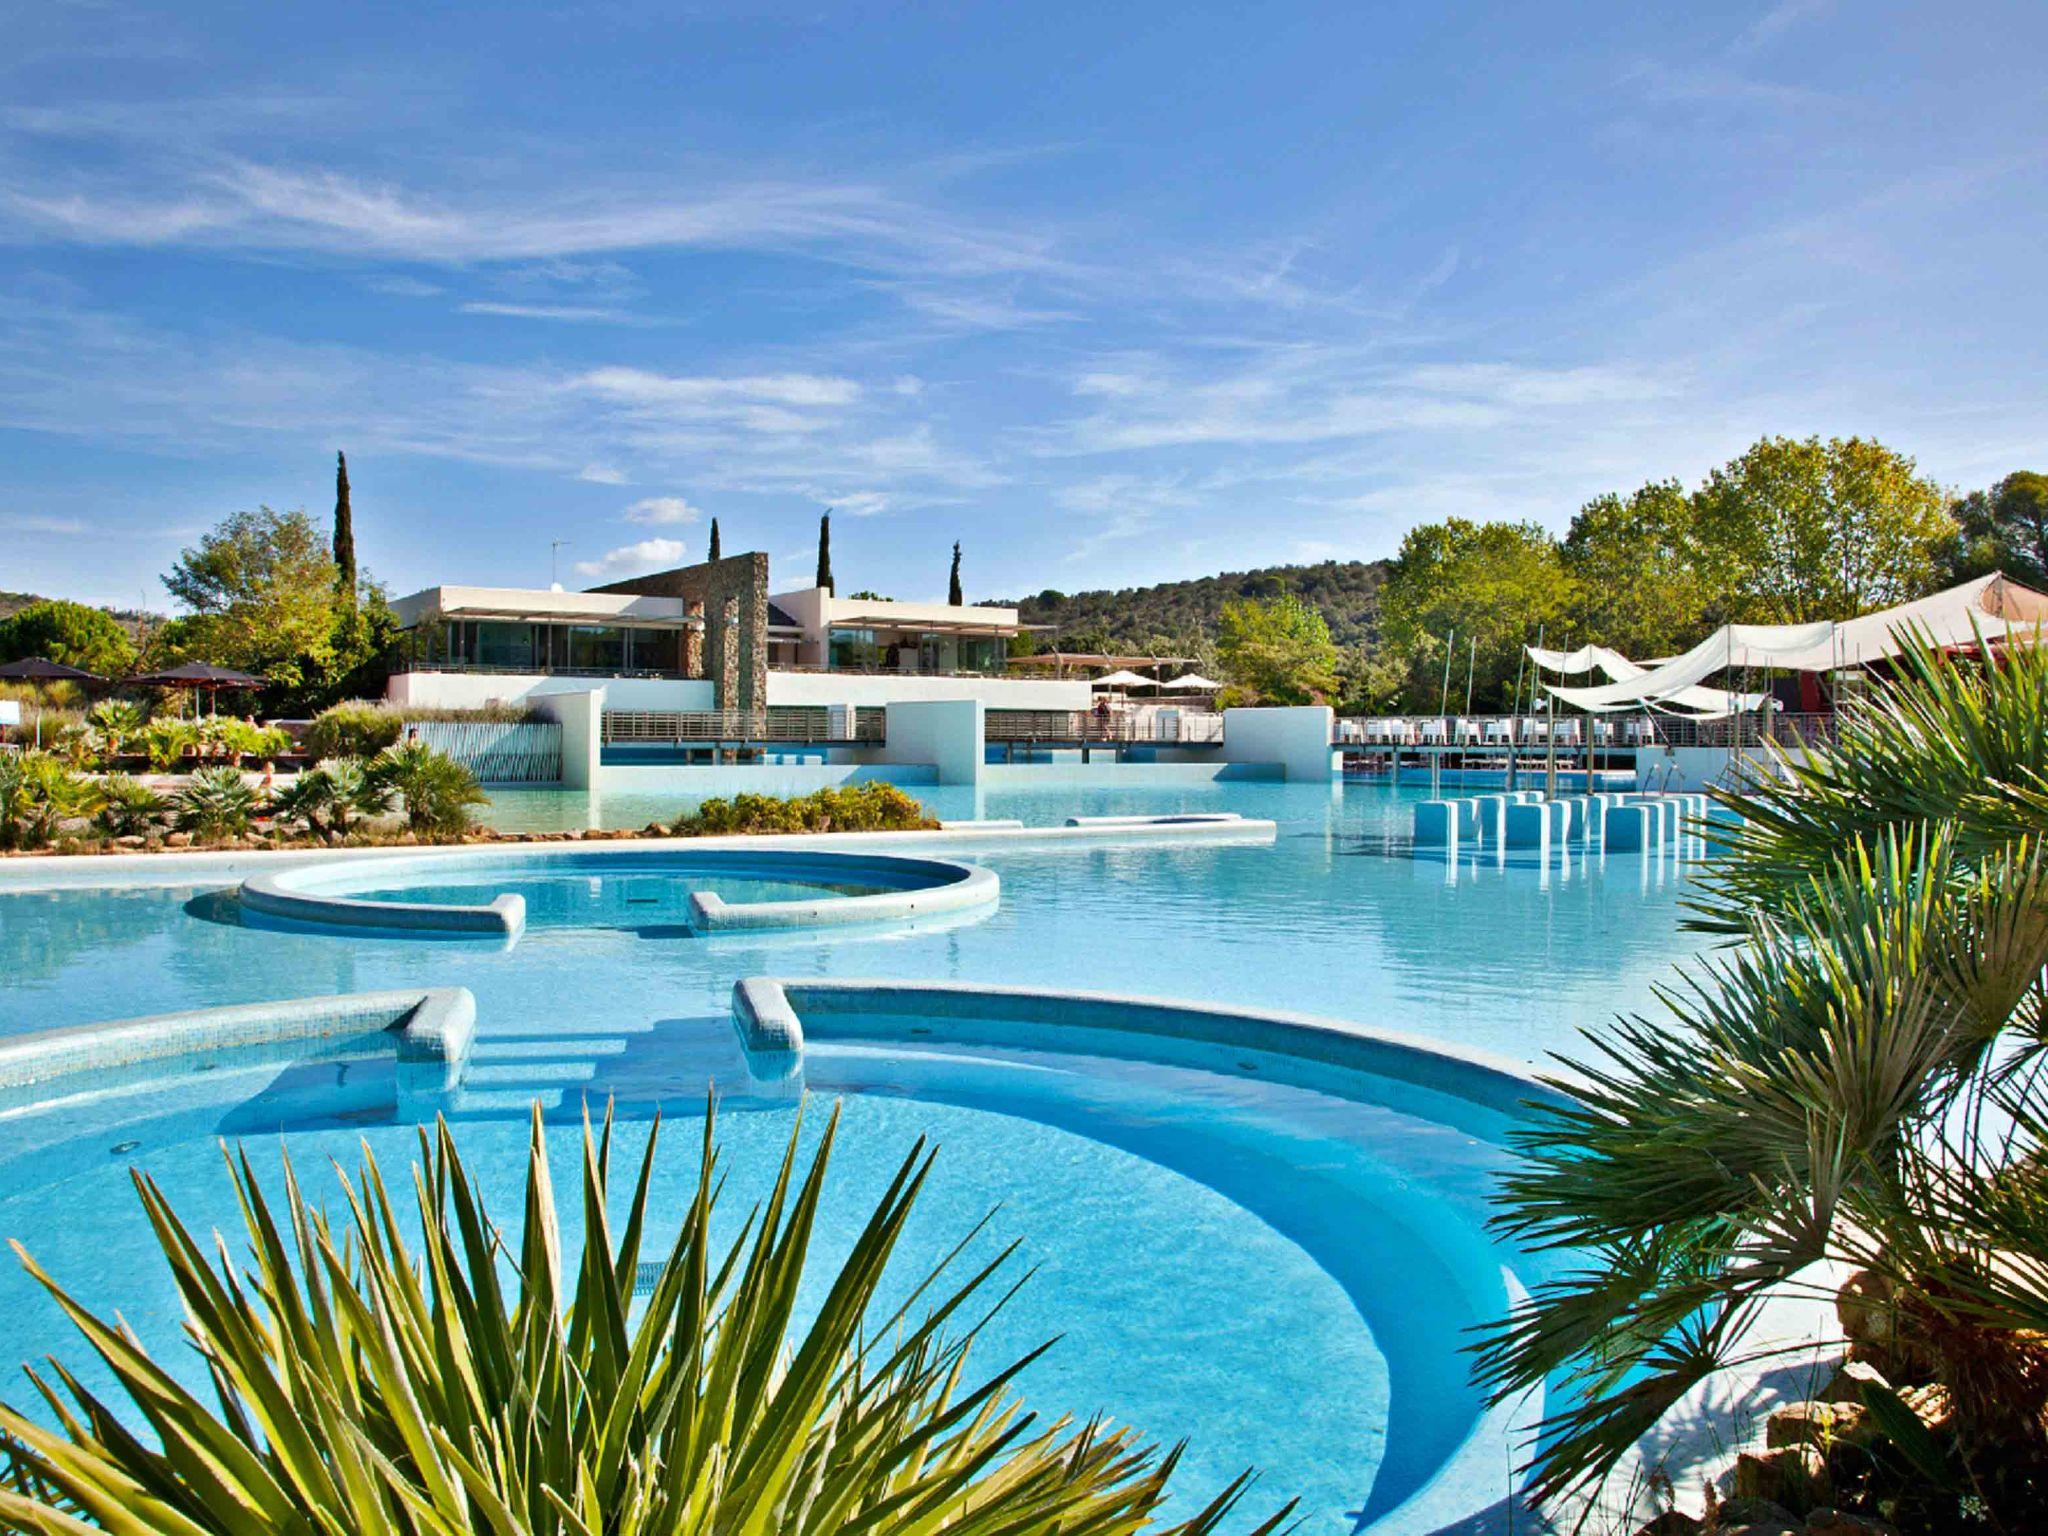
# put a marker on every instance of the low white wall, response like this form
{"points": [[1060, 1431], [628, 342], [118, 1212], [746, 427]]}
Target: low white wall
{"points": [[949, 734], [871, 690], [1296, 738], [472, 690], [1697, 768], [582, 717]]}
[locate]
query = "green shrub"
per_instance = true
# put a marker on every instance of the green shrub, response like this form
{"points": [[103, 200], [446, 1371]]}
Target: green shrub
{"points": [[37, 794], [216, 802], [353, 729], [438, 793], [166, 741], [236, 739], [327, 799], [875, 807], [127, 808], [119, 724], [378, 1379]]}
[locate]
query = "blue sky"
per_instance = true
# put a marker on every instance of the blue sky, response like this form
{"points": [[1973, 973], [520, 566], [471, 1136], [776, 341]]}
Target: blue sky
{"points": [[1111, 294]]}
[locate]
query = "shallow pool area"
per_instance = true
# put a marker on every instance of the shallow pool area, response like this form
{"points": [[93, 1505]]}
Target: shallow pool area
{"points": [[1275, 1258]]}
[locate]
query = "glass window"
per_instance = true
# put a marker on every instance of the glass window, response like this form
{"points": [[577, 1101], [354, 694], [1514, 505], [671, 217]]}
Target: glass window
{"points": [[596, 648], [855, 648], [505, 646]]}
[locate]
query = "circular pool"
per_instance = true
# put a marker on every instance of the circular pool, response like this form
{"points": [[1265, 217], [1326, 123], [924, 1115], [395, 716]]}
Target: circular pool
{"points": [[1261, 1234], [663, 890]]}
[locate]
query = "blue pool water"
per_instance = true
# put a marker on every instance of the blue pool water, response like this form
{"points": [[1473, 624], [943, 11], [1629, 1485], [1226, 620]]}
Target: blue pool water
{"points": [[1277, 1268]]}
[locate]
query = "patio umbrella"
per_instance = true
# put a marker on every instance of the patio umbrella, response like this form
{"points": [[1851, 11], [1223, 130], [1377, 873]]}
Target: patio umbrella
{"points": [[40, 669], [196, 677], [1122, 678], [1194, 682]]}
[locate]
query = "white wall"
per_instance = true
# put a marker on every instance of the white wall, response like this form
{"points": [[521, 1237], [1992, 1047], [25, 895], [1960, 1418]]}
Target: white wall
{"points": [[948, 734], [582, 717], [471, 690], [1297, 739], [1697, 768], [869, 689], [532, 602]]}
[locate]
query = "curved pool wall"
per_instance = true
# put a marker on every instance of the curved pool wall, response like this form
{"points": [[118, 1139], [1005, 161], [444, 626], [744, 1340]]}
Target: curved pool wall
{"points": [[908, 888], [1444, 1466], [428, 1032]]}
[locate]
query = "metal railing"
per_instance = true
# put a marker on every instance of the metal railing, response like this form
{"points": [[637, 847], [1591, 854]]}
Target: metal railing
{"points": [[1525, 733], [539, 669], [814, 727], [815, 669], [1079, 725]]}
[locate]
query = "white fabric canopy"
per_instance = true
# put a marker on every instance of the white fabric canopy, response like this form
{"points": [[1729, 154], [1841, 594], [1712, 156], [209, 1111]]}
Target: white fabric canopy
{"points": [[1194, 682], [1705, 702], [1121, 679], [1988, 608]]}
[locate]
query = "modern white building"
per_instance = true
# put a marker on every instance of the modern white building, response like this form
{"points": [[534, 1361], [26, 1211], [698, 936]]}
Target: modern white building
{"points": [[710, 638]]}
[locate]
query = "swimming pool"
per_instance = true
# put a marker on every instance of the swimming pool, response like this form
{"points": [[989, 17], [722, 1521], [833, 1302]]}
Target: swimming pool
{"points": [[1276, 1264]]}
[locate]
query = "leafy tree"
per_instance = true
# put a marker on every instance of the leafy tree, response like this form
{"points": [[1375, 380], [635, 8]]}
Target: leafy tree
{"points": [[1487, 588], [70, 633], [344, 535], [712, 553], [1800, 530], [1279, 650], [953, 580], [825, 552], [2005, 529], [1637, 585], [262, 592]]}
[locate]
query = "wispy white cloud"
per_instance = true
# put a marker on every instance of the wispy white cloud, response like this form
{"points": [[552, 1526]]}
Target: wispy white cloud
{"points": [[633, 559], [55, 527], [603, 474], [590, 313], [661, 509]]}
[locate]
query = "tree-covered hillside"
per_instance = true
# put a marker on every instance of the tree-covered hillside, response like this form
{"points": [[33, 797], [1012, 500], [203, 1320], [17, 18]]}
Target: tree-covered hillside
{"points": [[131, 619], [1182, 613]]}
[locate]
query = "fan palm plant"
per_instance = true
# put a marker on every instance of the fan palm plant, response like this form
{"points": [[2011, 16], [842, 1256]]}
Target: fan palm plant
{"points": [[438, 793], [365, 1387], [1853, 1081], [327, 799], [216, 802]]}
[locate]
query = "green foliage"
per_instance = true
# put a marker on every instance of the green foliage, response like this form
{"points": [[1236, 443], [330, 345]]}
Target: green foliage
{"points": [[326, 800], [119, 724], [38, 793], [824, 577], [953, 578], [712, 553], [1489, 588], [353, 729], [262, 590], [127, 808], [1279, 650], [2004, 529], [1856, 1081], [1179, 617], [368, 1388], [437, 793], [1638, 583], [165, 741], [216, 802], [875, 807], [71, 633], [1795, 531]]}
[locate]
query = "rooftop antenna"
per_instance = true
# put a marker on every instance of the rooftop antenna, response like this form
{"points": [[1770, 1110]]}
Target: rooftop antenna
{"points": [[554, 559]]}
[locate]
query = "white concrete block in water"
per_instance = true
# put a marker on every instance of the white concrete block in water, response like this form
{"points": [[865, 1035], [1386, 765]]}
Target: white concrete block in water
{"points": [[1491, 810], [1468, 818], [1539, 826], [1436, 824], [1628, 826]]}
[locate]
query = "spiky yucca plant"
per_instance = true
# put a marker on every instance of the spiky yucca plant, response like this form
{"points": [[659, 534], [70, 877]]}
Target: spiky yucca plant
{"points": [[367, 1387], [1855, 1081]]}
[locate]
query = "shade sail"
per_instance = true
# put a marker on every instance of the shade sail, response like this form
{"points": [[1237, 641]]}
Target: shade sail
{"points": [[1989, 608], [1619, 669]]}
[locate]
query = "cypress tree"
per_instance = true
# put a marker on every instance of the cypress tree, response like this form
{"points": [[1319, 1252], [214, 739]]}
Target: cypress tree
{"points": [[344, 534], [953, 581], [713, 555], [825, 552]]}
